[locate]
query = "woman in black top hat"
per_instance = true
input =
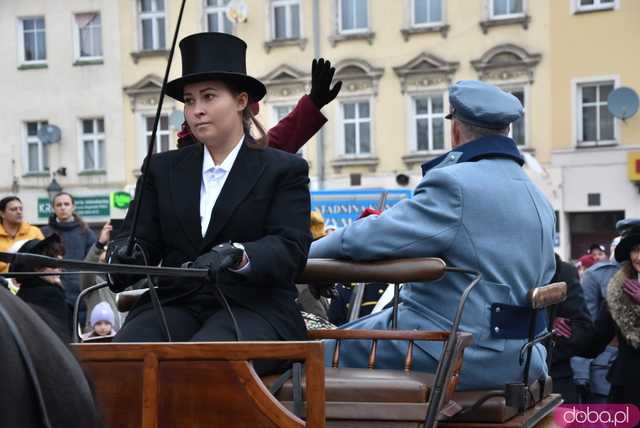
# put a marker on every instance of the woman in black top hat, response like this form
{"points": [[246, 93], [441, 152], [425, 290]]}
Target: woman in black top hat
{"points": [[228, 197], [619, 317]]}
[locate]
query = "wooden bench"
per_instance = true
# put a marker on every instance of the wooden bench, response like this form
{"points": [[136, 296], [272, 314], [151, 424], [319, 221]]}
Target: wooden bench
{"points": [[169, 385]]}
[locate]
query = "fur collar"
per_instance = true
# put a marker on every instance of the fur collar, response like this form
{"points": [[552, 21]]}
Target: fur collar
{"points": [[624, 311]]}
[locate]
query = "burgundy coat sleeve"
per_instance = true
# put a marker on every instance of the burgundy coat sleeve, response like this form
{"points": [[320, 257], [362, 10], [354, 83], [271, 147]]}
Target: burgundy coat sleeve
{"points": [[296, 128]]}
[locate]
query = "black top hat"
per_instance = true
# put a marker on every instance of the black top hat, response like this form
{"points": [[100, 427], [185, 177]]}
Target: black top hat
{"points": [[630, 237], [34, 246], [215, 56]]}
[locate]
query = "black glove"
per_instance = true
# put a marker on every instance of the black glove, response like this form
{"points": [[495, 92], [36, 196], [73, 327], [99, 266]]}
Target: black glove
{"points": [[321, 76], [327, 290], [220, 257], [117, 254]]}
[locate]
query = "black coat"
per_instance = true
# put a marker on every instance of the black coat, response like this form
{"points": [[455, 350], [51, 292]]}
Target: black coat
{"points": [[48, 301], [264, 204], [573, 308]]}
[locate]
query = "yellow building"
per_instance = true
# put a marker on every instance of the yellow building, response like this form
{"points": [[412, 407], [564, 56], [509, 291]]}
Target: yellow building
{"points": [[397, 58]]}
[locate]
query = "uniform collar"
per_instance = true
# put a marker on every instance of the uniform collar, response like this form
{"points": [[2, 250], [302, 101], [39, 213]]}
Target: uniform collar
{"points": [[481, 148], [227, 163]]}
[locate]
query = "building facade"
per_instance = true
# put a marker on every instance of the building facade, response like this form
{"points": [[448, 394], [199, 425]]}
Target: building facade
{"points": [[561, 58], [58, 68]]}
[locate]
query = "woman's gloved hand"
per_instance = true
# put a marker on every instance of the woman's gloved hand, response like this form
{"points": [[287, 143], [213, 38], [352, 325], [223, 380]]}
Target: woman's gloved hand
{"points": [[632, 288], [321, 75]]}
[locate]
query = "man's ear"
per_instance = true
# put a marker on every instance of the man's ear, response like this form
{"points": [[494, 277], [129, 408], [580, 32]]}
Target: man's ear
{"points": [[455, 134]]}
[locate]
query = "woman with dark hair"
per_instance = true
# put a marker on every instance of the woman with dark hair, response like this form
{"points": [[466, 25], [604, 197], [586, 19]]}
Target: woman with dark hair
{"points": [[77, 239], [12, 226], [227, 198], [619, 317]]}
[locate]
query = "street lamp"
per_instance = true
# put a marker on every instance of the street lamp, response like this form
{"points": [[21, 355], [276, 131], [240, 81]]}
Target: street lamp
{"points": [[53, 188]]}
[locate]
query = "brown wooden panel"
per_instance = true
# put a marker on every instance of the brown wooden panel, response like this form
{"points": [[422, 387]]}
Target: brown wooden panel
{"points": [[118, 389]]}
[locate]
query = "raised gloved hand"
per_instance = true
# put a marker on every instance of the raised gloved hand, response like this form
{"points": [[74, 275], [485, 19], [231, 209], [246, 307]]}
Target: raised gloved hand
{"points": [[117, 254], [632, 288], [562, 328], [321, 76], [223, 256]]}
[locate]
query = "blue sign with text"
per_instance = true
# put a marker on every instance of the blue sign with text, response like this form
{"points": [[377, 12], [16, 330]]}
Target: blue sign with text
{"points": [[341, 207]]}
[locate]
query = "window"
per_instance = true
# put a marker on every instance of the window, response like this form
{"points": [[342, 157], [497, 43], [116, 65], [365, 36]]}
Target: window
{"points": [[152, 24], [595, 123], [586, 5], [507, 8], [216, 17], [518, 130], [353, 16], [279, 112], [34, 48], [88, 27], [426, 12], [356, 128], [285, 19], [428, 113], [92, 143], [37, 152], [162, 134]]}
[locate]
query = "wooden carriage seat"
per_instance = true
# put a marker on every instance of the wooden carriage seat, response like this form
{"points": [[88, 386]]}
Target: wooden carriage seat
{"points": [[197, 385]]}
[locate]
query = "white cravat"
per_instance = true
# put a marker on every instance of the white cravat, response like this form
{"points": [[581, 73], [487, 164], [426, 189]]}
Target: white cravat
{"points": [[213, 179]]}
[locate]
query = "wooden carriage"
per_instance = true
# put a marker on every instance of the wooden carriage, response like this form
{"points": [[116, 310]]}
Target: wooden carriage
{"points": [[157, 385]]}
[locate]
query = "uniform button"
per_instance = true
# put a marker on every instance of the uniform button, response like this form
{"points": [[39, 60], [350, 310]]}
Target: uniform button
{"points": [[496, 329], [497, 308]]}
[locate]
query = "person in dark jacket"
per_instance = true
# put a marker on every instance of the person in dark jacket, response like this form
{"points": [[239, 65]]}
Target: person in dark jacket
{"points": [[227, 198], [619, 317], [76, 237], [575, 309], [44, 294]]}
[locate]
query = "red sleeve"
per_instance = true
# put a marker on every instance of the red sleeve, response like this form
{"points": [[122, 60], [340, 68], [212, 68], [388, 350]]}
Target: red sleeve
{"points": [[296, 128]]}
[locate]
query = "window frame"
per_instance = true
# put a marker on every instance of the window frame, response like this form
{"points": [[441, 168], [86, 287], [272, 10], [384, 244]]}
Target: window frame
{"points": [[42, 167], [290, 105], [146, 133], [207, 10], [494, 17], [342, 31], [525, 93], [21, 46], [576, 108], [154, 16], [95, 137], [287, 4], [412, 9], [577, 7], [341, 141], [413, 134], [76, 39]]}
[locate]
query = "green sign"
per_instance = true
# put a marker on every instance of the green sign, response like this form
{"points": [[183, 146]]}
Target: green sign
{"points": [[86, 206], [120, 200]]}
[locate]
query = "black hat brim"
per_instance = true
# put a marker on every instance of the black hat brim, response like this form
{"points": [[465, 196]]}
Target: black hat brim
{"points": [[623, 249], [252, 86]]}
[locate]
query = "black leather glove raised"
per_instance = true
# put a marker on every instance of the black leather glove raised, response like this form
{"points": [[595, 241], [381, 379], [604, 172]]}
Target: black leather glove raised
{"points": [[117, 254], [220, 257], [321, 75]]}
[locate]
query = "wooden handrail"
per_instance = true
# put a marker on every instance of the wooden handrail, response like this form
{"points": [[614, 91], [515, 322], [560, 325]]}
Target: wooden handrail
{"points": [[393, 271]]}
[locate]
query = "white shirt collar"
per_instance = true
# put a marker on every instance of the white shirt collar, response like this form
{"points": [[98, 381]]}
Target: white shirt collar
{"points": [[226, 165]]}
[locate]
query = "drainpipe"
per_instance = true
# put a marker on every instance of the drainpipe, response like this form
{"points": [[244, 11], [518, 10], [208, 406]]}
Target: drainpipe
{"points": [[316, 54]]}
